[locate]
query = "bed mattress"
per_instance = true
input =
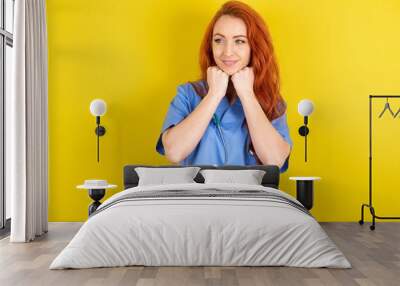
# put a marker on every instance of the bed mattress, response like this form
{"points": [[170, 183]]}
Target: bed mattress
{"points": [[201, 225]]}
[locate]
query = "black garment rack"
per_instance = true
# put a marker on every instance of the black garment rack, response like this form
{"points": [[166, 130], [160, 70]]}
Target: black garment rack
{"points": [[370, 206]]}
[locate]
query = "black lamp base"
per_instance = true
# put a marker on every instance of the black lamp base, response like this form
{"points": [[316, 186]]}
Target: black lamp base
{"points": [[303, 130], [100, 130], [305, 193], [96, 195]]}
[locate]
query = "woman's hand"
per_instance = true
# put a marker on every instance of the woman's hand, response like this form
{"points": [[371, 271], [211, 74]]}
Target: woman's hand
{"points": [[243, 81], [217, 81]]}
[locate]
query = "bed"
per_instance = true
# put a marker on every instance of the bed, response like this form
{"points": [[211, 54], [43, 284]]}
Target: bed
{"points": [[201, 224]]}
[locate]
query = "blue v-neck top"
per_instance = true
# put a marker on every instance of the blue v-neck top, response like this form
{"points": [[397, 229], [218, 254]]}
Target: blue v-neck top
{"points": [[226, 140]]}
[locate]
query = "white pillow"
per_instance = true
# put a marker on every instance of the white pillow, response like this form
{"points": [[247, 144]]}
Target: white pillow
{"points": [[163, 176], [249, 177]]}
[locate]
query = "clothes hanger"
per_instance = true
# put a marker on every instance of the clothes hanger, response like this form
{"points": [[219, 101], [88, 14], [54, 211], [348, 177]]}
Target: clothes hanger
{"points": [[398, 111], [387, 107]]}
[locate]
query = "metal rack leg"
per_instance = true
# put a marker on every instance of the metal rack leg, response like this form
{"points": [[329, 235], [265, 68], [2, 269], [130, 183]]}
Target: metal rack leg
{"points": [[361, 221], [374, 216], [372, 210]]}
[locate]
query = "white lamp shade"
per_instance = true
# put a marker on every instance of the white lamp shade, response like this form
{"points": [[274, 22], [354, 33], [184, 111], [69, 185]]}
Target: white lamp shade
{"points": [[98, 107], [305, 107]]}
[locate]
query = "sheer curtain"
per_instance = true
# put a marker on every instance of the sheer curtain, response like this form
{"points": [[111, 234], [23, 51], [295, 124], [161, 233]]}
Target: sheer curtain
{"points": [[26, 124]]}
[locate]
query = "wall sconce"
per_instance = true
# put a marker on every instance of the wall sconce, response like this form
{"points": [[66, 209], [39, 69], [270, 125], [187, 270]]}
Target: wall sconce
{"points": [[305, 108], [98, 108]]}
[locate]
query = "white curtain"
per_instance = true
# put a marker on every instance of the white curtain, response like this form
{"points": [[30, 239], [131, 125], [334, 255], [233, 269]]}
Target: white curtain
{"points": [[26, 124]]}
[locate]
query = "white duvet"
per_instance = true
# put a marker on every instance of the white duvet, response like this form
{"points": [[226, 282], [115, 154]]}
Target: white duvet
{"points": [[200, 231]]}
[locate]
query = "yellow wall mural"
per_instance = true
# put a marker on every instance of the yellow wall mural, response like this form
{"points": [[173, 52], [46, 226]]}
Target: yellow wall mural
{"points": [[133, 54]]}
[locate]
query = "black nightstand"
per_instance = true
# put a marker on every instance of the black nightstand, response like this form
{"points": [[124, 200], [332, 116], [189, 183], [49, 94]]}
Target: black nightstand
{"points": [[97, 190], [305, 190]]}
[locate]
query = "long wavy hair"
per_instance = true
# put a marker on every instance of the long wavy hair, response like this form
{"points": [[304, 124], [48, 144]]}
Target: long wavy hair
{"points": [[262, 60]]}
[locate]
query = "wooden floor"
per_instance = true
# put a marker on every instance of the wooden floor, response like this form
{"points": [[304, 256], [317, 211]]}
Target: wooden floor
{"points": [[375, 257]]}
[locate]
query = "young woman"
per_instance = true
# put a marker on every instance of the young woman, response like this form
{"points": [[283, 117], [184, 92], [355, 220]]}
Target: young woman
{"points": [[235, 114]]}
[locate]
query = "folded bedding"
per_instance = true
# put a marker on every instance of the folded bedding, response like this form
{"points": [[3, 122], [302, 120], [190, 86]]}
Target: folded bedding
{"points": [[193, 224]]}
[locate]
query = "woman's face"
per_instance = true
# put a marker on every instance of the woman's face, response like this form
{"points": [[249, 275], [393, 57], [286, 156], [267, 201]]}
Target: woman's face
{"points": [[230, 46]]}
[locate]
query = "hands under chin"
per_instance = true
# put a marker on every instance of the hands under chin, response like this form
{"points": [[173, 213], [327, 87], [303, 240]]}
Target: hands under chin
{"points": [[243, 81]]}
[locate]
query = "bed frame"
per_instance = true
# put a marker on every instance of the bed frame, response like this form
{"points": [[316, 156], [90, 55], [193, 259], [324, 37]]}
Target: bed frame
{"points": [[270, 179]]}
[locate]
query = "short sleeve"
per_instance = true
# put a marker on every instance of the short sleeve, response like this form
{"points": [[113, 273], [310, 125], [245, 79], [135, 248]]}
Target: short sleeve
{"points": [[178, 110], [280, 124]]}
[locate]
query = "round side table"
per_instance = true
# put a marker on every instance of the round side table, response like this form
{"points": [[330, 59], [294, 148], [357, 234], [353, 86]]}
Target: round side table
{"points": [[305, 190], [96, 193]]}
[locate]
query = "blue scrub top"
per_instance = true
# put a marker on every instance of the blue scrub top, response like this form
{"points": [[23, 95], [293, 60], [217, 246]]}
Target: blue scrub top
{"points": [[232, 131]]}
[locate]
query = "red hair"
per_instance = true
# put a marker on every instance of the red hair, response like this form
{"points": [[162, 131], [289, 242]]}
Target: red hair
{"points": [[266, 73]]}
